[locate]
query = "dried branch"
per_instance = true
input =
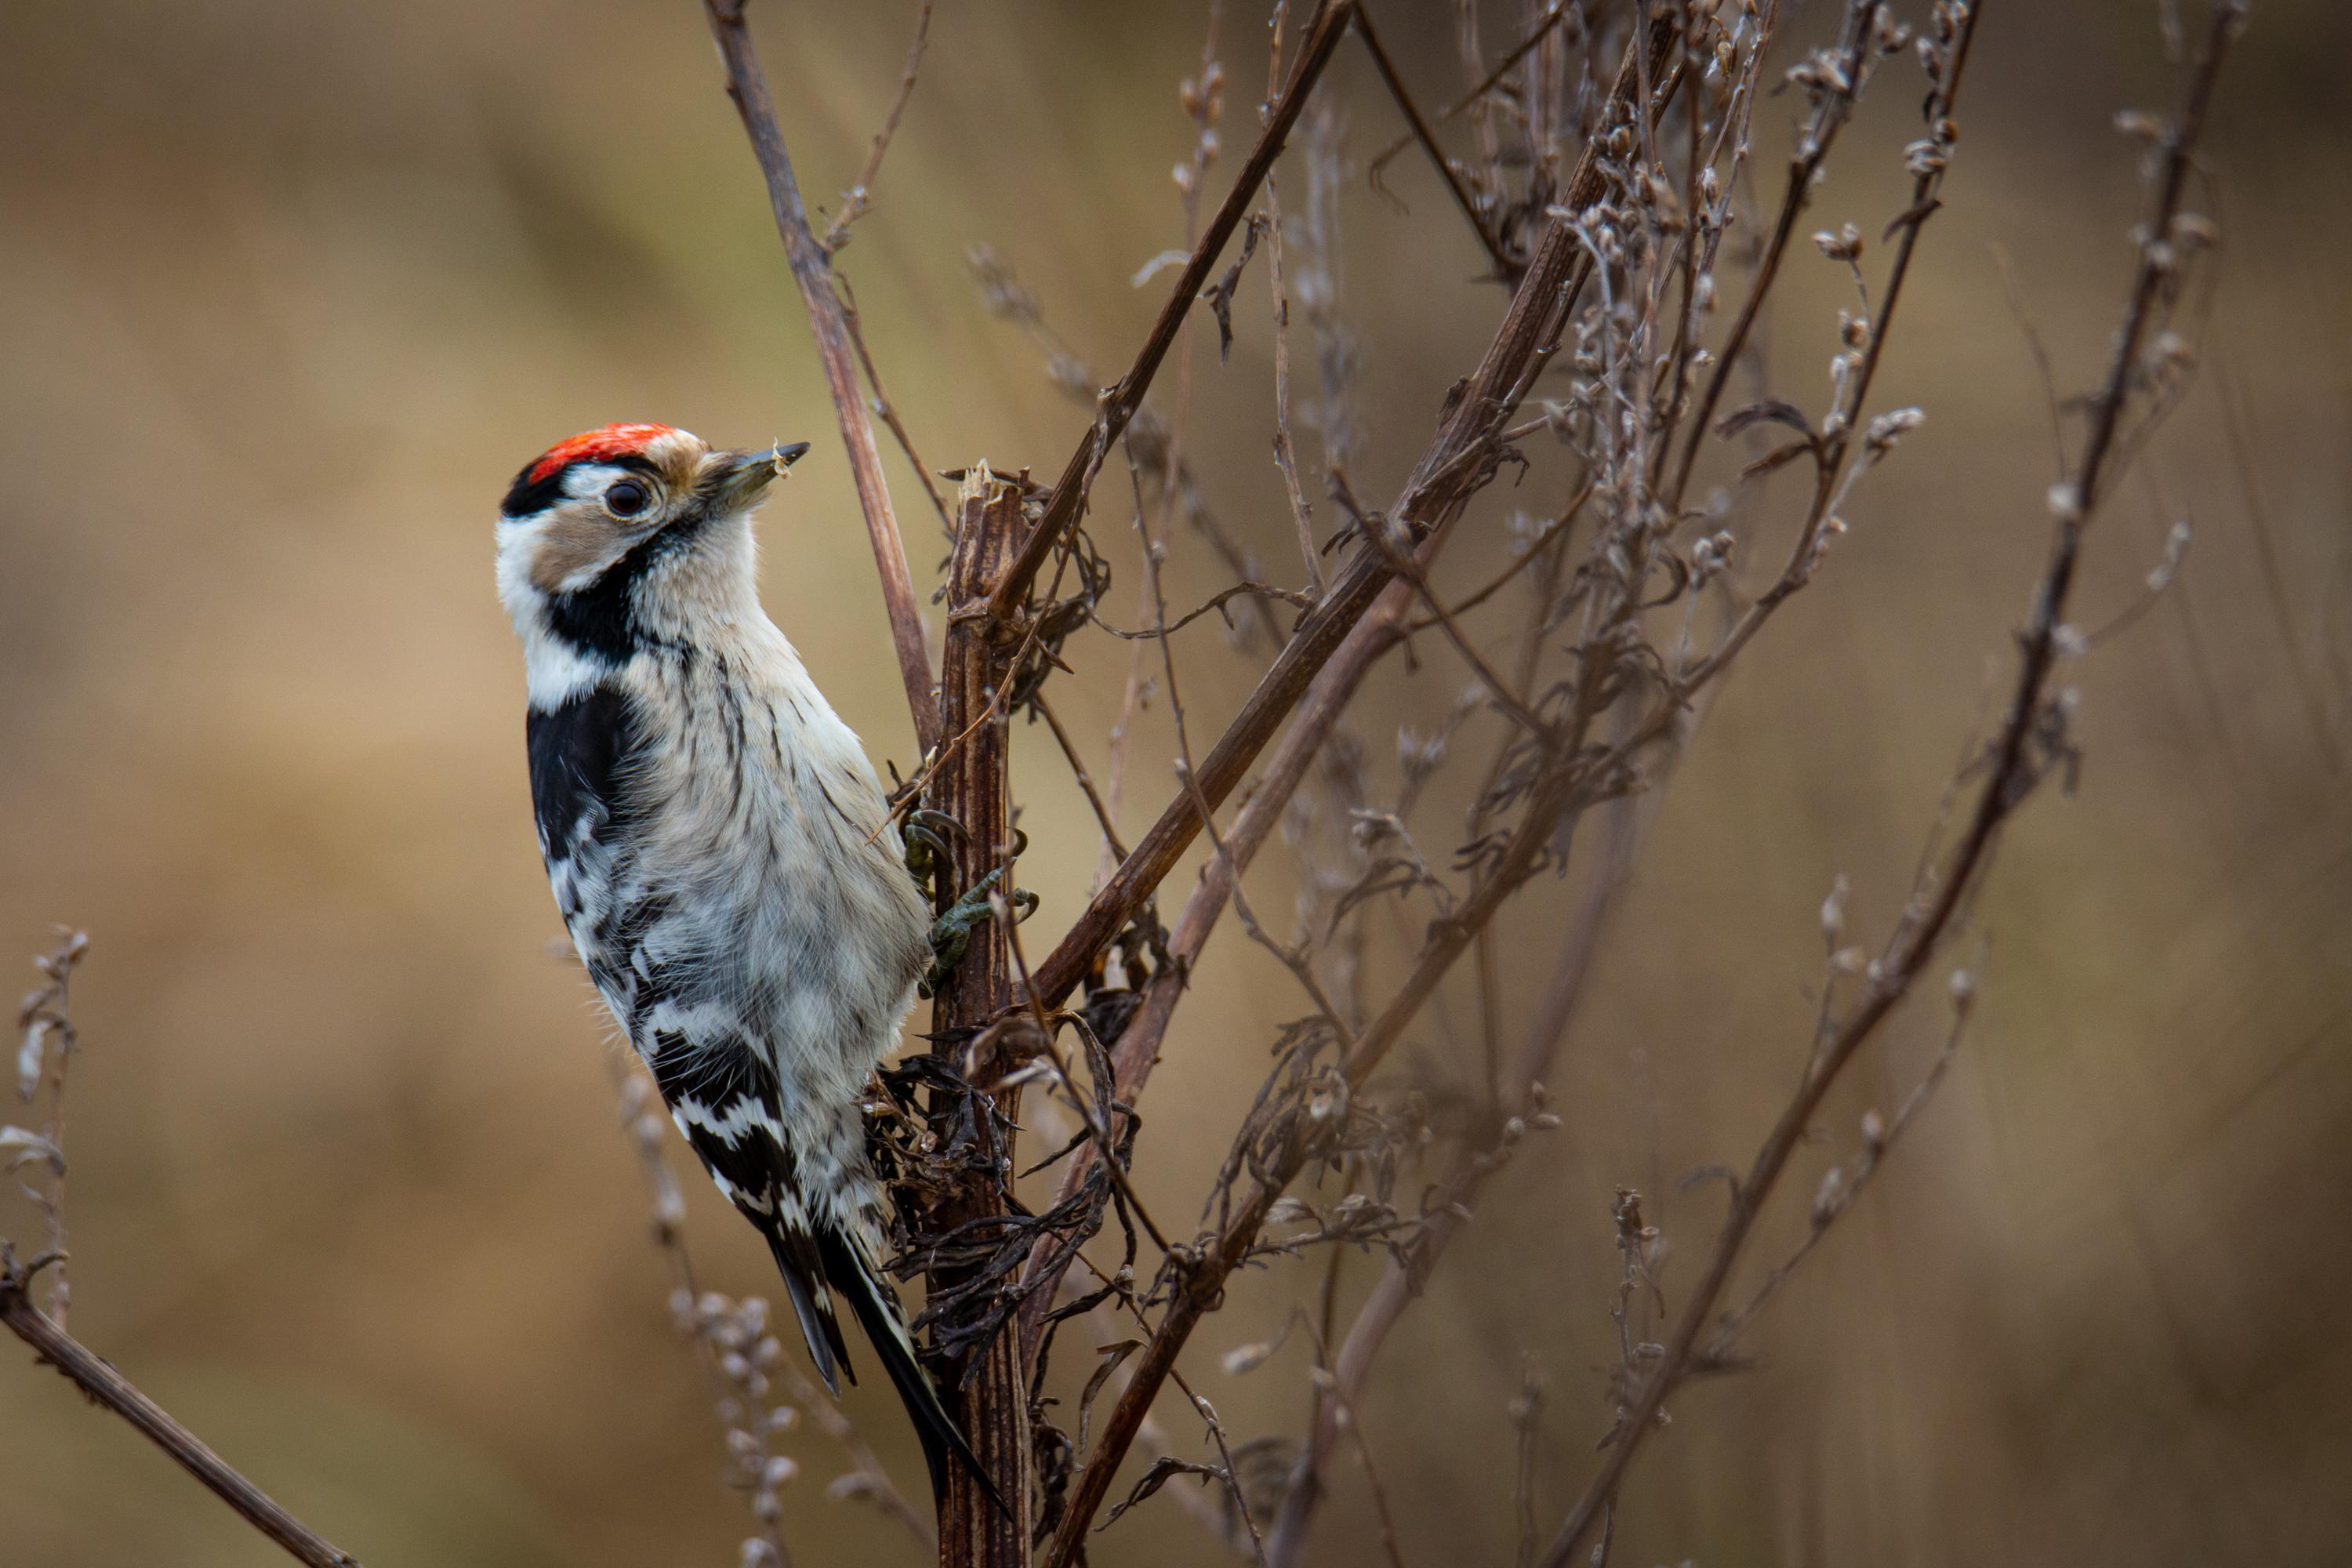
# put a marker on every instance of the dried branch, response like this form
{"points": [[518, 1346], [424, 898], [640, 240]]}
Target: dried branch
{"points": [[813, 271], [1507, 266], [857, 200], [2019, 758], [977, 1531], [1455, 465], [1517, 1106], [104, 1386], [1118, 402], [1136, 1051], [1833, 108], [1553, 15], [45, 1024]]}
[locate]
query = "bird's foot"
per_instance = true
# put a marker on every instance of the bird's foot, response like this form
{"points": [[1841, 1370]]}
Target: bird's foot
{"points": [[929, 837], [951, 932]]}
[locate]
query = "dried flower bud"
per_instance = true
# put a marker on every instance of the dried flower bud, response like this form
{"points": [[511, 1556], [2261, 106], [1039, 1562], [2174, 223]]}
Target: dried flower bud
{"points": [[1873, 1131], [1890, 427], [1826, 1197], [1245, 1359]]}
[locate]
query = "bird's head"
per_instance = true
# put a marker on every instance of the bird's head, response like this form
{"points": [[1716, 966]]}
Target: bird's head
{"points": [[605, 534]]}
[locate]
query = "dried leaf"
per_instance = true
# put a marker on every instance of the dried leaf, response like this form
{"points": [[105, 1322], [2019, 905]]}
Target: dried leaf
{"points": [[1152, 268], [32, 1058], [1113, 1353], [1248, 1358], [1163, 1470], [1776, 457], [1771, 409], [23, 1146]]}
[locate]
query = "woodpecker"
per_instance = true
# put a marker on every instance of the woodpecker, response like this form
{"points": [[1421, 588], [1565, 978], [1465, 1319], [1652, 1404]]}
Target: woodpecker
{"points": [[722, 854]]}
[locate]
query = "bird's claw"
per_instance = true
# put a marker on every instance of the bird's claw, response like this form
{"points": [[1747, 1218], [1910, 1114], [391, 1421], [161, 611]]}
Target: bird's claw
{"points": [[928, 836], [951, 932]]}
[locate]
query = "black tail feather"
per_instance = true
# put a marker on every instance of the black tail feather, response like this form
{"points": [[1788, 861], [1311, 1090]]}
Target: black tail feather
{"points": [[878, 1314], [802, 1264]]}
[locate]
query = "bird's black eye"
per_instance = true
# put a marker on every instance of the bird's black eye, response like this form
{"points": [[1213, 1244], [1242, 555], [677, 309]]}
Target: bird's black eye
{"points": [[626, 498]]}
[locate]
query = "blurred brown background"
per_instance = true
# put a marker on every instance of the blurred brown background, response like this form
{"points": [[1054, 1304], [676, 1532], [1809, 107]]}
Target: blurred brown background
{"points": [[289, 290]]}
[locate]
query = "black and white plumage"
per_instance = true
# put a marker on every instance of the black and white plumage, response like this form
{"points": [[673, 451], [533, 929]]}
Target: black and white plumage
{"points": [[720, 850]]}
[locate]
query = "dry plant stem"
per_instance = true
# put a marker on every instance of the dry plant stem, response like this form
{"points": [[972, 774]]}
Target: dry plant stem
{"points": [[1405, 1276], [45, 1017], [1137, 1050], [1078, 771], [106, 1386], [2008, 781], [1551, 19], [1286, 457], [1859, 1176], [1831, 476], [1442, 482], [1507, 267], [1201, 1274], [813, 271], [856, 201], [1119, 400], [1804, 170], [2300, 665], [888, 411], [973, 787]]}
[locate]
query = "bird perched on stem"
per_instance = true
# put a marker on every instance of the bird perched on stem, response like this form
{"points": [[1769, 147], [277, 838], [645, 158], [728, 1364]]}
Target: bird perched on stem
{"points": [[722, 854]]}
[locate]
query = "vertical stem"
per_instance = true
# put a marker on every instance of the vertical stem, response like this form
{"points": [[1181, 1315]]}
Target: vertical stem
{"points": [[972, 786], [828, 320]]}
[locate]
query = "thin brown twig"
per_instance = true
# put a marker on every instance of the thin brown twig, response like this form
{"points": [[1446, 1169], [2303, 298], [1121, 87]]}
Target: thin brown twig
{"points": [[105, 1386], [887, 410], [1852, 1179], [1441, 485], [2008, 781], [1804, 171], [1078, 772], [747, 85], [1137, 1050], [1517, 1098], [1286, 456], [1560, 524], [2300, 666], [857, 200], [1551, 18], [1067, 502], [1507, 266], [1199, 1275]]}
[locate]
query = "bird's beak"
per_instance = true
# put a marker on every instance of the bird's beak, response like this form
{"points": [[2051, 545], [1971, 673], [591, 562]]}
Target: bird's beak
{"points": [[741, 476]]}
